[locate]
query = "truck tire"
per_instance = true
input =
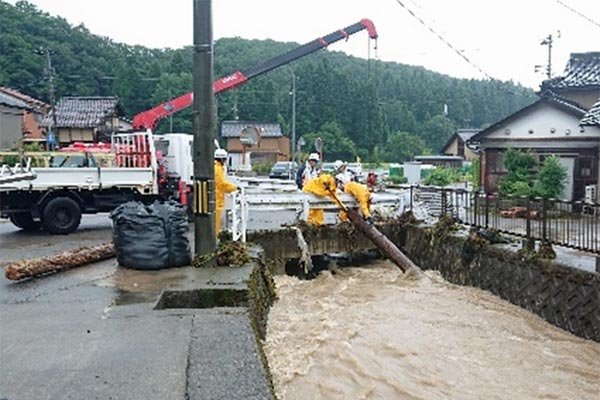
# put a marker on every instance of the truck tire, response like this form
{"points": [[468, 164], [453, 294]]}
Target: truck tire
{"points": [[25, 221], [61, 216]]}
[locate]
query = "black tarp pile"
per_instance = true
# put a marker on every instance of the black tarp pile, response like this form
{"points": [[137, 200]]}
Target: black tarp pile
{"points": [[151, 237]]}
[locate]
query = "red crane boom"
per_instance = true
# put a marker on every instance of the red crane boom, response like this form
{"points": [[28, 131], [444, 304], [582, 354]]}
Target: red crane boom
{"points": [[150, 118]]}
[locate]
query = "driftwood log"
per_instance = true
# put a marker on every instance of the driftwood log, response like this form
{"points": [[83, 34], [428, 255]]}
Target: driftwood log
{"points": [[69, 259], [382, 242]]}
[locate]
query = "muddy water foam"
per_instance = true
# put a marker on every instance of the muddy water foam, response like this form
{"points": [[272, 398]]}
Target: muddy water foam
{"points": [[371, 333]]}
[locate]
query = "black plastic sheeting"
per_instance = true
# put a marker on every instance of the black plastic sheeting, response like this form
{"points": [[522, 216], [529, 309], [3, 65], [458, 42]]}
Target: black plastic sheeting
{"points": [[151, 237]]}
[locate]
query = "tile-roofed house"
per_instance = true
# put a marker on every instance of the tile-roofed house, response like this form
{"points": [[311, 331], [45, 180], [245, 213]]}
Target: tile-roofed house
{"points": [[580, 81], [231, 129], [33, 114], [20, 118], [87, 119], [273, 144], [30, 101], [457, 144], [83, 112], [582, 70], [10, 101], [549, 126], [592, 117]]}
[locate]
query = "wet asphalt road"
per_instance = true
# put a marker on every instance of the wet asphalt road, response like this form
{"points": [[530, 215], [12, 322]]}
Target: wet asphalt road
{"points": [[92, 332]]}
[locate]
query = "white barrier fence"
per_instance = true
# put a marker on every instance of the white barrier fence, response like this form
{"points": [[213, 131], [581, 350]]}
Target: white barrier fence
{"points": [[256, 208]]}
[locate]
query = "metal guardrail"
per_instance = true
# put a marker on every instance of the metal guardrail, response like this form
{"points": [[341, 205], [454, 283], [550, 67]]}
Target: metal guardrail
{"points": [[574, 224], [19, 172], [248, 203]]}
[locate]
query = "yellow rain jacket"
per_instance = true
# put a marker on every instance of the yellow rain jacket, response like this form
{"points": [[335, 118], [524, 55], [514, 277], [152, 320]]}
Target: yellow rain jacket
{"points": [[362, 195], [318, 186], [222, 186]]}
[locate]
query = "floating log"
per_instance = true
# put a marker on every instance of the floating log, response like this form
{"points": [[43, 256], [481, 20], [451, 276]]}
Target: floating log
{"points": [[382, 242], [69, 259]]}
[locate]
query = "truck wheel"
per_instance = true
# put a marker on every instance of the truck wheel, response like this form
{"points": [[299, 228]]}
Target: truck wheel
{"points": [[61, 216], [25, 221]]}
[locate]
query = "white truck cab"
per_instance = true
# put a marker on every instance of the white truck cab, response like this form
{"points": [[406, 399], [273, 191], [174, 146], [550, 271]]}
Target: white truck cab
{"points": [[177, 150]]}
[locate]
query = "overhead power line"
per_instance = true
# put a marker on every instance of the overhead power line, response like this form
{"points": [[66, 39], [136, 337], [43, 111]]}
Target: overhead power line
{"points": [[574, 11], [446, 42]]}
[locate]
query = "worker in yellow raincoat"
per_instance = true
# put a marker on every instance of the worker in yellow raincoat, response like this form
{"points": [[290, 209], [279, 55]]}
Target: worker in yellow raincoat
{"points": [[222, 186], [346, 182], [323, 186]]}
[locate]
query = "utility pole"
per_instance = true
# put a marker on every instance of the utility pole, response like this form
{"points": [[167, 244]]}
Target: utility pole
{"points": [[49, 72], [204, 128], [293, 116], [548, 41]]}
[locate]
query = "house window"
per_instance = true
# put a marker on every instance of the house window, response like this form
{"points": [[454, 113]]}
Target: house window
{"points": [[495, 162], [585, 167]]}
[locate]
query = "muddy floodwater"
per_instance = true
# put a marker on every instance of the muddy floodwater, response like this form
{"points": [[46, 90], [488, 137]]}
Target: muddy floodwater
{"points": [[371, 333]]}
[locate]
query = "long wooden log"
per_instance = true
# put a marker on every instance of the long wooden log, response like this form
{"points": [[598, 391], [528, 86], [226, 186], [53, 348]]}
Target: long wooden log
{"points": [[382, 242], [69, 259], [379, 239]]}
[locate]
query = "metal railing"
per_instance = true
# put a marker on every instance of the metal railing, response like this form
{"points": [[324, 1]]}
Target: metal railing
{"points": [[574, 224], [256, 208], [18, 172]]}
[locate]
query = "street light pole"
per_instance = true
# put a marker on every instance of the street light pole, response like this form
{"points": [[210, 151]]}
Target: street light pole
{"points": [[293, 116], [204, 128]]}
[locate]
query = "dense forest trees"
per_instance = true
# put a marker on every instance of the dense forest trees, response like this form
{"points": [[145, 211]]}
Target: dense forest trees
{"points": [[381, 111]]}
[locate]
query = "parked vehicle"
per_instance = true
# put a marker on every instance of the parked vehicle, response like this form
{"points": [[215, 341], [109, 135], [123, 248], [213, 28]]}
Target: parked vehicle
{"points": [[284, 170], [328, 168], [357, 170]]}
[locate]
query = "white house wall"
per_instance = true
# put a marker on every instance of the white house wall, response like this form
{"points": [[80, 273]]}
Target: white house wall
{"points": [[10, 127], [550, 126]]}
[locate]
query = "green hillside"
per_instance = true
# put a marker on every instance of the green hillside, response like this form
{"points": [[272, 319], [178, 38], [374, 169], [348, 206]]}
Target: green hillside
{"points": [[380, 111]]}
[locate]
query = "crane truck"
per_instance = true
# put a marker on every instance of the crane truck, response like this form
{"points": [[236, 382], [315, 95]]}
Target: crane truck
{"points": [[143, 166]]}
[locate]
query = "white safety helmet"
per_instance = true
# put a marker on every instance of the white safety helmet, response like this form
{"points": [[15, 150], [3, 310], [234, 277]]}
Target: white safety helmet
{"points": [[338, 164], [220, 154], [314, 157]]}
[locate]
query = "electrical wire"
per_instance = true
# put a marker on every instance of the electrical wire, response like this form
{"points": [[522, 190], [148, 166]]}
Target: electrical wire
{"points": [[446, 42], [574, 11]]}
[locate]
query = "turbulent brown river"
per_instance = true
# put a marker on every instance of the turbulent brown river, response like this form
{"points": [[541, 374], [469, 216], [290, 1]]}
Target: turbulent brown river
{"points": [[371, 333]]}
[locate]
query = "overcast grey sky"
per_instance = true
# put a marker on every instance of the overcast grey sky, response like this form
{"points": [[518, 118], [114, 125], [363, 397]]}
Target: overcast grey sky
{"points": [[501, 37]]}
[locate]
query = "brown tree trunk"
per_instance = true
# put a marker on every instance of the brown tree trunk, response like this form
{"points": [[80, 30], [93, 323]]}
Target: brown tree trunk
{"points": [[69, 259], [383, 243]]}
